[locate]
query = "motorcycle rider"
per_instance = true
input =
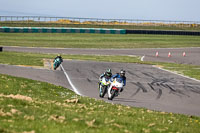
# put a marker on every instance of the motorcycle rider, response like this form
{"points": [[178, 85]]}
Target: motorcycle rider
{"points": [[107, 74], [58, 57], [120, 75]]}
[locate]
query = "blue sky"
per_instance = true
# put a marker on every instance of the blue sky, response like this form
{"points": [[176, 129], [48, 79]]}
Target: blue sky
{"points": [[183, 10]]}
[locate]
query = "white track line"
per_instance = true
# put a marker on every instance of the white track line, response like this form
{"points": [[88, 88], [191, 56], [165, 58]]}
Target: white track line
{"points": [[70, 82], [176, 73], [142, 59]]}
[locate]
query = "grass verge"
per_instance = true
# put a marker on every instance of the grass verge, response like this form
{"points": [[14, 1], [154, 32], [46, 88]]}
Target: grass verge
{"points": [[31, 59], [62, 40], [28, 106]]}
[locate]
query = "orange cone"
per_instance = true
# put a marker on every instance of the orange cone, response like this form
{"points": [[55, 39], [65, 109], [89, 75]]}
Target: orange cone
{"points": [[184, 54], [156, 54], [169, 54]]}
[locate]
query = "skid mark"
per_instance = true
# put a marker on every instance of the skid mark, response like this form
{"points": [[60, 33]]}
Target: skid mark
{"points": [[135, 92], [88, 80], [159, 85], [158, 91], [77, 70], [189, 87], [140, 86], [149, 75], [95, 74], [131, 73]]}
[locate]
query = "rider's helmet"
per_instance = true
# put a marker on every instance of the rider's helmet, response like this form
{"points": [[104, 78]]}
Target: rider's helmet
{"points": [[122, 73], [59, 55], [108, 72]]}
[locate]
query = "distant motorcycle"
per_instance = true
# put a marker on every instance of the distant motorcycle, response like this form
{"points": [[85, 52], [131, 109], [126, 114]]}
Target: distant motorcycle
{"points": [[116, 85], [57, 63], [104, 85]]}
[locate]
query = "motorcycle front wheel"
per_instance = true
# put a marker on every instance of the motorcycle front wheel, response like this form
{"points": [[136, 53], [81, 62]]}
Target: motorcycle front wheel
{"points": [[103, 92], [113, 92]]}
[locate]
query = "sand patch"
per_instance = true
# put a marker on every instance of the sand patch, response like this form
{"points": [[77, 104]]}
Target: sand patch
{"points": [[18, 96], [2, 113], [48, 63], [11, 113], [57, 118]]}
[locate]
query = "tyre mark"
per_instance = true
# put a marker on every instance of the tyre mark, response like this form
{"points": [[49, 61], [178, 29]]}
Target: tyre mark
{"points": [[95, 74], [139, 85], [158, 91], [77, 70], [135, 92], [88, 80], [159, 94], [148, 75], [133, 74]]}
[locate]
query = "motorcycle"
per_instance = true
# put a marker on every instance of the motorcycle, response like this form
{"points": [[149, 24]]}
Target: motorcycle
{"points": [[56, 63], [103, 86], [116, 85]]}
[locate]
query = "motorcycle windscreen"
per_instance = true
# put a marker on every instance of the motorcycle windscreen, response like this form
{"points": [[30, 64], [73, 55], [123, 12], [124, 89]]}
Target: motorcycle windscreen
{"points": [[119, 80], [58, 60]]}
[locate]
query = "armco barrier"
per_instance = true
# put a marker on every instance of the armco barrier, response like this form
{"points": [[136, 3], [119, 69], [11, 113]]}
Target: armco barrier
{"points": [[163, 32], [60, 30], [91, 30]]}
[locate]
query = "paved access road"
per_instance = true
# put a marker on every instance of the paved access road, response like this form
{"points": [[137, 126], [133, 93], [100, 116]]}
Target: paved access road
{"points": [[192, 54]]}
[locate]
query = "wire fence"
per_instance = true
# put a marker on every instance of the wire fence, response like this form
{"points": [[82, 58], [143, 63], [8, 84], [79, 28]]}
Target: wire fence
{"points": [[98, 22]]}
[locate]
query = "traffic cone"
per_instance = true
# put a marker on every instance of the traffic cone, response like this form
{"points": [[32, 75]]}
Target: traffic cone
{"points": [[169, 54], [156, 54], [184, 54]]}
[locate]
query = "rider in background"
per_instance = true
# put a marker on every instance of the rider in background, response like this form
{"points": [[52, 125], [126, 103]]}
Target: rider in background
{"points": [[120, 75], [59, 56], [57, 61]]}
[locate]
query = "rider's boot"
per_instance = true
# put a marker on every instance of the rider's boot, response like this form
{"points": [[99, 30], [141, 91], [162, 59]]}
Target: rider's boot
{"points": [[109, 94]]}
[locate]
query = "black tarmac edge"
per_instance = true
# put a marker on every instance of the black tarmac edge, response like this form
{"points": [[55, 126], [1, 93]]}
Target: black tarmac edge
{"points": [[193, 33]]}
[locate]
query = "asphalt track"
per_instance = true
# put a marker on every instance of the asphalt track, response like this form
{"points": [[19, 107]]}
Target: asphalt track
{"points": [[147, 86]]}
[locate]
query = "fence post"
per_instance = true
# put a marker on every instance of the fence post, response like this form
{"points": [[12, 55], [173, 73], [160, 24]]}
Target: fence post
{"points": [[1, 49]]}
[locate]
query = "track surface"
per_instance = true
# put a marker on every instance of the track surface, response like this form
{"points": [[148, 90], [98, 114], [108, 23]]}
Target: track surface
{"points": [[53, 77], [146, 86]]}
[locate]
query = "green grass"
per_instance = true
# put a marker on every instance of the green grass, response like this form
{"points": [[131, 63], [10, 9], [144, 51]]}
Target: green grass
{"points": [[188, 70], [32, 106], [31, 59], [68, 40]]}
